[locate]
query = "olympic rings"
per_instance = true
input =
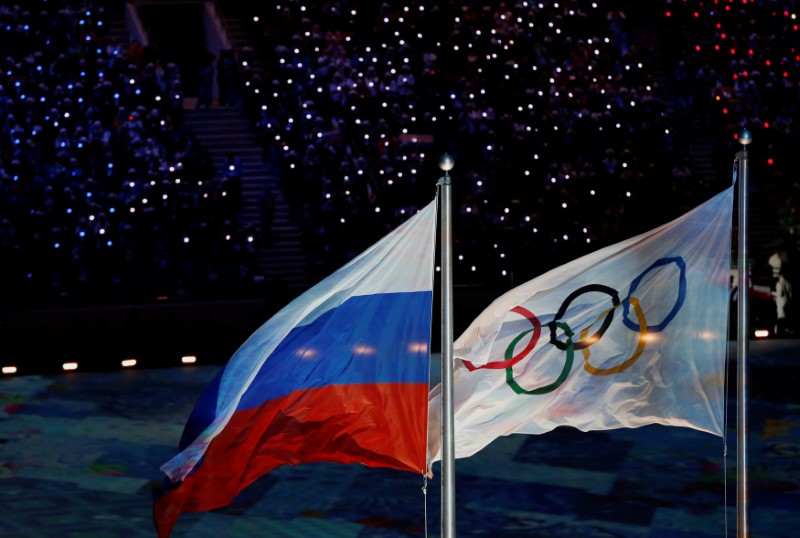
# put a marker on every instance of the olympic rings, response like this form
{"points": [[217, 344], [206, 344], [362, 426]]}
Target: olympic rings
{"points": [[561, 378], [563, 310], [513, 359], [677, 260], [630, 360], [585, 340]]}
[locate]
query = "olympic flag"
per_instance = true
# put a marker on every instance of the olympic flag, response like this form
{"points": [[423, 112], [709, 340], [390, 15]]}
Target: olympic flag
{"points": [[630, 335], [341, 374]]}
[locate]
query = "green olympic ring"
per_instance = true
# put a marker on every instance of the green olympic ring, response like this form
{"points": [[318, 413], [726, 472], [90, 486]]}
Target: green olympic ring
{"points": [[564, 372]]}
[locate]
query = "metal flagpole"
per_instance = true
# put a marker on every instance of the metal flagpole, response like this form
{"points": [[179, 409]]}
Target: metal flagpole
{"points": [[446, 163], [742, 341]]}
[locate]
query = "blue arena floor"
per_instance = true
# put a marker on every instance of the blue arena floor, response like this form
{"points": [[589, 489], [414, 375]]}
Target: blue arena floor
{"points": [[80, 455]]}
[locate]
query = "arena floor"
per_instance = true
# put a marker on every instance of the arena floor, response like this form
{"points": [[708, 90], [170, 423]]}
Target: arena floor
{"points": [[80, 455]]}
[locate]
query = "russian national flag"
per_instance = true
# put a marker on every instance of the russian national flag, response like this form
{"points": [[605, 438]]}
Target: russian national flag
{"points": [[339, 375]]}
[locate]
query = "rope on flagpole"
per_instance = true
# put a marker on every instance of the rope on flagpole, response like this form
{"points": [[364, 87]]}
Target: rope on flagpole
{"points": [[425, 500], [733, 296]]}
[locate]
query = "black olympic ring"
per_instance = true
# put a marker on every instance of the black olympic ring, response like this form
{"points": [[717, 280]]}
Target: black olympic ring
{"points": [[580, 344]]}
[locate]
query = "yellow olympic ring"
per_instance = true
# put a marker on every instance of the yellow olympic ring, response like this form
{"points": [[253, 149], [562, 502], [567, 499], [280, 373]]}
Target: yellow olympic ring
{"points": [[630, 360]]}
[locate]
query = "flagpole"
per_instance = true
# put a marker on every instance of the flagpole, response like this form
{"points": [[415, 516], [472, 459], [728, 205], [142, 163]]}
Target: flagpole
{"points": [[742, 342], [448, 522]]}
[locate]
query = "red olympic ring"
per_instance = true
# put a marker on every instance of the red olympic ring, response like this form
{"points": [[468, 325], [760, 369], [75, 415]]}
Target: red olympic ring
{"points": [[501, 365]]}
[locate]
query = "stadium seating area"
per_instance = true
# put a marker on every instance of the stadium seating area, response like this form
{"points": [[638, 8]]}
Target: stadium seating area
{"points": [[573, 125]]}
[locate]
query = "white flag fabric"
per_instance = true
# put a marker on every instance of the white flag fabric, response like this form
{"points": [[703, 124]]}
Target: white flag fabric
{"points": [[630, 335]]}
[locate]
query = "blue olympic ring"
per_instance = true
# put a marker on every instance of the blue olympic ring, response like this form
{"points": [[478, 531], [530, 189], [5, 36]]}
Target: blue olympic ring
{"points": [[677, 260]]}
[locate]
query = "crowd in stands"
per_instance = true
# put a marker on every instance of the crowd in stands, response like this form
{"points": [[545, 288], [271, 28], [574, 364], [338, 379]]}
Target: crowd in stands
{"points": [[562, 135], [738, 64], [105, 195], [570, 122]]}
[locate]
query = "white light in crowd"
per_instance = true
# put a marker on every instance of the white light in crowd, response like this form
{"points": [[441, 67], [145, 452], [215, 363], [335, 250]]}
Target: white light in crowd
{"points": [[565, 237], [189, 359], [377, 210], [761, 333], [564, 205], [8, 370], [341, 220], [185, 240], [473, 268], [536, 230], [461, 257], [128, 363], [69, 366], [628, 194]]}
